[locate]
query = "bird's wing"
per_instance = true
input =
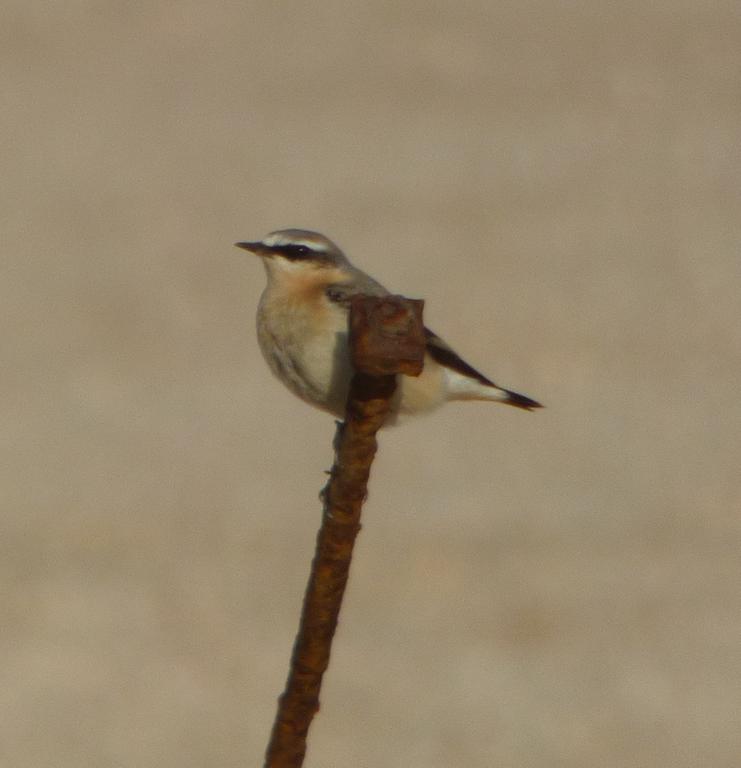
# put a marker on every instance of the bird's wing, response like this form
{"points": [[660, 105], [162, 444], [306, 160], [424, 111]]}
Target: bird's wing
{"points": [[441, 353], [444, 355], [340, 293]]}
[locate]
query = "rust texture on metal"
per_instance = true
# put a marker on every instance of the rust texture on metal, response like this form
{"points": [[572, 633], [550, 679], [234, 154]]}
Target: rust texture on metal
{"points": [[387, 336]]}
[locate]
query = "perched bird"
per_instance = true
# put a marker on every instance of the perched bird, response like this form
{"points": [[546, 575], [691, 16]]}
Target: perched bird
{"points": [[302, 327]]}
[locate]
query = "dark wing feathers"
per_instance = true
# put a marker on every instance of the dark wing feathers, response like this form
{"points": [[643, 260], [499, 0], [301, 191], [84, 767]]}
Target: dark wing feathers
{"points": [[441, 353]]}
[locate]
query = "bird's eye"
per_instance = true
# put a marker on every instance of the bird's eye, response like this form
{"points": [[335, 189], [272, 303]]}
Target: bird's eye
{"points": [[295, 251]]}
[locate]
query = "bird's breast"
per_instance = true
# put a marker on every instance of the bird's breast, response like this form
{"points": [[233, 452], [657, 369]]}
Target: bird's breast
{"points": [[304, 341]]}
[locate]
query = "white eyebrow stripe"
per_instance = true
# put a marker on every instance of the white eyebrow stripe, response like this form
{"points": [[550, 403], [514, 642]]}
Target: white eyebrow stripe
{"points": [[276, 240]]}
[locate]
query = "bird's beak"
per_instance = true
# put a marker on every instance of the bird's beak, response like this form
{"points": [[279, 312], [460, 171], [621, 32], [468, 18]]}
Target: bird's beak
{"points": [[257, 248]]}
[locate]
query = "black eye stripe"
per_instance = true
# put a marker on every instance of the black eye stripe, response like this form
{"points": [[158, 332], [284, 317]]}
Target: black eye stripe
{"points": [[299, 252], [296, 251]]}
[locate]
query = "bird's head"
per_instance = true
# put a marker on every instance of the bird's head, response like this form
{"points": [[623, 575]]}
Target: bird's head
{"points": [[290, 253]]}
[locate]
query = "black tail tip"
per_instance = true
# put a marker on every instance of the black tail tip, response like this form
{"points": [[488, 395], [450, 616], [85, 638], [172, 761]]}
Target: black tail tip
{"points": [[520, 401]]}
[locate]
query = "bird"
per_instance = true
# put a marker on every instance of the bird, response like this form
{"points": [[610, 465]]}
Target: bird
{"points": [[302, 330]]}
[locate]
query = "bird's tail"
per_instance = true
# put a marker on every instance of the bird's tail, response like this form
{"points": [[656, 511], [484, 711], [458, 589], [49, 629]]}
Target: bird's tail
{"points": [[467, 388], [518, 401]]}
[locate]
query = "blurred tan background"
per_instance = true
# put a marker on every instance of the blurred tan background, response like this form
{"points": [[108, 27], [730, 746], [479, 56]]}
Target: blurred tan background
{"points": [[562, 183]]}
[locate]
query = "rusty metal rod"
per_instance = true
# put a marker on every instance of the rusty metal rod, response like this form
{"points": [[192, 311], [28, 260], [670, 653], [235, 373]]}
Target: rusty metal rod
{"points": [[386, 338]]}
